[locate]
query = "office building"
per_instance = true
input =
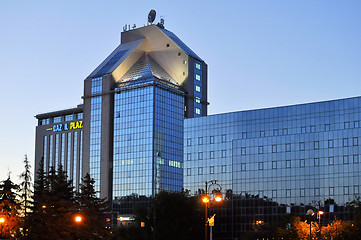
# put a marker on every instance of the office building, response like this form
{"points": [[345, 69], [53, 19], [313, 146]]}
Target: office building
{"points": [[135, 103], [143, 127]]}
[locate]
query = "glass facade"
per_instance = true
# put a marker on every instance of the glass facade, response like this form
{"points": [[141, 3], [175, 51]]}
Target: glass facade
{"points": [[62, 145], [293, 156], [148, 139], [95, 132]]}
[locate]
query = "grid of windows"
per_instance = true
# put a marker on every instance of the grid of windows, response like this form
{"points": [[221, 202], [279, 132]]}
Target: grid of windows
{"points": [[95, 132], [300, 153], [198, 86], [51, 151], [68, 165], [63, 150], [45, 156], [75, 158], [146, 118]]}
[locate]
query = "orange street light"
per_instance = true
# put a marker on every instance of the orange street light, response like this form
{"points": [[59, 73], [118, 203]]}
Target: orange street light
{"points": [[218, 197], [319, 218], [205, 199], [78, 219], [2, 219]]}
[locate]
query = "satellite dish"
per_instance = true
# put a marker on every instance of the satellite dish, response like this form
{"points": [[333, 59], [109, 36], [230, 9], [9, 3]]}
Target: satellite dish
{"points": [[151, 16]]}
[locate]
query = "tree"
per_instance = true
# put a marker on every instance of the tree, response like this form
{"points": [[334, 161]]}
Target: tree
{"points": [[176, 214], [54, 207], [9, 208], [26, 187], [93, 210]]}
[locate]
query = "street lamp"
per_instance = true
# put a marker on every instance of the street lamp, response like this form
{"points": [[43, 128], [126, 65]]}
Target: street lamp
{"points": [[319, 213], [206, 200], [78, 219], [2, 221], [310, 213]]}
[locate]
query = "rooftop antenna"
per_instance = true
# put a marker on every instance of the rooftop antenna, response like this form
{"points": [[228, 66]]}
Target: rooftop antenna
{"points": [[151, 16], [161, 23]]}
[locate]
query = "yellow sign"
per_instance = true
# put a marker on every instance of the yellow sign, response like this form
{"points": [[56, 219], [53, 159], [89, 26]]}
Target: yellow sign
{"points": [[211, 221], [76, 125], [66, 126]]}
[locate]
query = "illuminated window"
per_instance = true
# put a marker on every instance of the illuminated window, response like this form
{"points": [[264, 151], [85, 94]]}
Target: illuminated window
{"points": [[260, 166], [198, 66], [223, 153], [211, 154], [198, 111], [189, 171], [211, 169], [197, 100], [198, 77], [211, 139], [260, 149], [223, 168], [198, 89]]}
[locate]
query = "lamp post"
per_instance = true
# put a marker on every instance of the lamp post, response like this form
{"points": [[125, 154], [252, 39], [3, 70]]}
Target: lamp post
{"points": [[319, 213], [78, 219], [2, 221], [206, 200], [310, 213]]}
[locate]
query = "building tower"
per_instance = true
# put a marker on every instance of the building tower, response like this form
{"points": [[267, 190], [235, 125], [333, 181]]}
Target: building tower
{"points": [[130, 133], [135, 103]]}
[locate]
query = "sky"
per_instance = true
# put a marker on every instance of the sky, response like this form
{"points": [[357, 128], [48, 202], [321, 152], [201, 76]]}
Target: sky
{"points": [[259, 53]]}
